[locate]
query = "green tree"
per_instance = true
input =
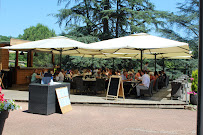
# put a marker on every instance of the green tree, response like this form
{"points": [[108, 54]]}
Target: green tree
{"points": [[187, 23], [4, 38], [39, 32], [111, 18], [78, 33]]}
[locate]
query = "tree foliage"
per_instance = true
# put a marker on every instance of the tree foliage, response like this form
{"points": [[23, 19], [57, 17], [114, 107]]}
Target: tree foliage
{"points": [[39, 32], [92, 20], [184, 25], [111, 18], [4, 38]]}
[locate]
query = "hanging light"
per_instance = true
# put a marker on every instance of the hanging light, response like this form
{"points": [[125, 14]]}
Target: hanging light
{"points": [[21, 53], [35, 54]]}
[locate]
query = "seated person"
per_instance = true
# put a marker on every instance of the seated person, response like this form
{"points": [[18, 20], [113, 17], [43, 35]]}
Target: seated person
{"points": [[110, 72], [103, 74], [87, 73], [164, 75], [75, 73], [152, 77], [61, 76], [138, 74], [145, 83], [35, 78], [130, 75], [146, 66], [124, 78], [98, 74], [47, 73], [126, 86], [156, 74], [118, 72]]}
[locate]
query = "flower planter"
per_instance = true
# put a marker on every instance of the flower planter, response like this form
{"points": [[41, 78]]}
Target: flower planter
{"points": [[3, 117], [193, 99]]}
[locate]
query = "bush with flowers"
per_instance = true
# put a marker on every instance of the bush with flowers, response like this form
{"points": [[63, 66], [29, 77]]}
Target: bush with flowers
{"points": [[194, 80], [7, 105], [194, 88]]}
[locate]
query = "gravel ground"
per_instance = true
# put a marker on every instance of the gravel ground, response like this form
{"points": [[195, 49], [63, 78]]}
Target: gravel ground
{"points": [[97, 120]]}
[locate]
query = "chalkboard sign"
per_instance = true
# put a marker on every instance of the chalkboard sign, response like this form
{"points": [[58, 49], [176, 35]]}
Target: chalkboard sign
{"points": [[115, 87], [63, 99]]}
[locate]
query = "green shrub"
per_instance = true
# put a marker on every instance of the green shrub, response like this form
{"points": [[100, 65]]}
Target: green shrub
{"points": [[195, 81]]}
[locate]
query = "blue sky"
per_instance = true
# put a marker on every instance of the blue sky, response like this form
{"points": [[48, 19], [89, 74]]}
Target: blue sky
{"points": [[17, 15]]}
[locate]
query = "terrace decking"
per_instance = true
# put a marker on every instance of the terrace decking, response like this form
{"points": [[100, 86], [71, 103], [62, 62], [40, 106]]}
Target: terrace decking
{"points": [[160, 99]]}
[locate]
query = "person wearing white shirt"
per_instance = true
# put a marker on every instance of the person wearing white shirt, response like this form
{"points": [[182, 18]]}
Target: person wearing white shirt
{"points": [[61, 77], [145, 83]]}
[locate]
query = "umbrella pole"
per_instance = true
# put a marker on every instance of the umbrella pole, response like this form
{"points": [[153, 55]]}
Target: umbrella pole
{"points": [[155, 62], [60, 58], [141, 57], [113, 62], [163, 65], [92, 62], [200, 75]]}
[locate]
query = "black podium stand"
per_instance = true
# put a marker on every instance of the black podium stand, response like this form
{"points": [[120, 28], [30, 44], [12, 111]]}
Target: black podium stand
{"points": [[42, 98]]}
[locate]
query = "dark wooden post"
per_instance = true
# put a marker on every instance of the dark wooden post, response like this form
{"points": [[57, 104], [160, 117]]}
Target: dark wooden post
{"points": [[200, 75], [16, 60], [52, 58], [31, 58]]}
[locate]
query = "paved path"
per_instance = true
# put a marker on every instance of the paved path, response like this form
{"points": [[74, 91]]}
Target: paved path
{"points": [[94, 120]]}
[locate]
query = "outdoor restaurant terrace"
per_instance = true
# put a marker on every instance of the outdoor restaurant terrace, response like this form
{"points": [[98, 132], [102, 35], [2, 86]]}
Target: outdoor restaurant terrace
{"points": [[87, 86]]}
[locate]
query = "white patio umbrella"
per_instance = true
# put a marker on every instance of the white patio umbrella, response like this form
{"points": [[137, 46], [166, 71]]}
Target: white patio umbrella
{"points": [[142, 44], [56, 45]]}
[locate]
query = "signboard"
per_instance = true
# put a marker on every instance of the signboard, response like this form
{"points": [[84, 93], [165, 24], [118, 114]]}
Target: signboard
{"points": [[115, 88], [63, 99]]}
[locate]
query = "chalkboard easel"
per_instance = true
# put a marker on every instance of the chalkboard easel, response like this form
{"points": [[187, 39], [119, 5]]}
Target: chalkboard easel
{"points": [[115, 88]]}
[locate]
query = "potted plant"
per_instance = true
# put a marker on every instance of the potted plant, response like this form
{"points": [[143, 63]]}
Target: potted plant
{"points": [[5, 107], [193, 97], [194, 87]]}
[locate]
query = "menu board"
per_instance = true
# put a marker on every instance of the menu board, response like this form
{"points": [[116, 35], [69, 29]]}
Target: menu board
{"points": [[63, 99], [115, 88]]}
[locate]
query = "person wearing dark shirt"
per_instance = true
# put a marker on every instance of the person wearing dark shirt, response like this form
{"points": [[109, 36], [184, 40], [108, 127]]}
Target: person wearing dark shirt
{"points": [[47, 73]]}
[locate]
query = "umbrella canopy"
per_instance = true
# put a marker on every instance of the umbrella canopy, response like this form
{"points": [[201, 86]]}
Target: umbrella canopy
{"points": [[142, 44], [55, 45], [136, 42]]}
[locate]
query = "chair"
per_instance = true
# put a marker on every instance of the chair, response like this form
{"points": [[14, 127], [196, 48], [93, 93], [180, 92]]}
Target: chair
{"points": [[73, 83], [80, 85], [1, 80], [149, 90], [99, 86], [160, 82], [156, 85]]}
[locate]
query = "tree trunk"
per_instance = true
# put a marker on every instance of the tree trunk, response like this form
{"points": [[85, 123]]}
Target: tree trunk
{"points": [[88, 17], [105, 22], [117, 21]]}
